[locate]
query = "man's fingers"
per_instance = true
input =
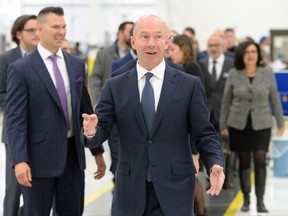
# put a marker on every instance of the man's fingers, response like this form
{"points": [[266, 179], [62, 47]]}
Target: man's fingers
{"points": [[214, 190], [87, 117], [24, 180], [29, 176], [23, 174], [99, 174]]}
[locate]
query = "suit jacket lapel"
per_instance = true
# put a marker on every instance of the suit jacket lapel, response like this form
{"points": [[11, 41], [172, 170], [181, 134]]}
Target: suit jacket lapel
{"points": [[133, 93], [244, 78], [41, 70], [224, 69], [258, 78], [169, 83], [16, 54]]}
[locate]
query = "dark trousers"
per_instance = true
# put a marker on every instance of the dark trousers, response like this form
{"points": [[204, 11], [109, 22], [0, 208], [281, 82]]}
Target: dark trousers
{"points": [[12, 191], [152, 207], [68, 190]]}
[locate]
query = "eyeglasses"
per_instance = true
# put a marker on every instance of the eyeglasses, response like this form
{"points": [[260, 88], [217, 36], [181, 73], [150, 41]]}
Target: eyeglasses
{"points": [[30, 30], [253, 52], [214, 45]]}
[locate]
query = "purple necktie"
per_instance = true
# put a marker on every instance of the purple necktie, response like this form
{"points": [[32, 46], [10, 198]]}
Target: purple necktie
{"points": [[60, 87]]}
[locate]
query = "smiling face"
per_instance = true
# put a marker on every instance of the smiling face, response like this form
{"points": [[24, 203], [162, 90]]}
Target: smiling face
{"points": [[52, 31], [150, 41]]}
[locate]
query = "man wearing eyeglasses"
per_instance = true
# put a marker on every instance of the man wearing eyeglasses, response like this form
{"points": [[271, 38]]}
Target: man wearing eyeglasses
{"points": [[23, 33]]}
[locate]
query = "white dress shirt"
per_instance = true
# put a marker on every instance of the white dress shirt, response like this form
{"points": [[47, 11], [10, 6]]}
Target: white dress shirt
{"points": [[156, 80], [218, 65]]}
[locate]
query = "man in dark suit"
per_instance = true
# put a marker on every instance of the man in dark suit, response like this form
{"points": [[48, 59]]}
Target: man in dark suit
{"points": [[155, 173], [113, 140], [45, 96], [23, 34], [127, 58], [216, 84], [121, 66], [218, 63]]}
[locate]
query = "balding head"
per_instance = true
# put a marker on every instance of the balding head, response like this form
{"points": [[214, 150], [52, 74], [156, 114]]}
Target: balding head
{"points": [[215, 46], [147, 20], [150, 40]]}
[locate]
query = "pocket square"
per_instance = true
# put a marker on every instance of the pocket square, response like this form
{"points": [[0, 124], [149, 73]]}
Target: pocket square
{"points": [[225, 75], [79, 79]]}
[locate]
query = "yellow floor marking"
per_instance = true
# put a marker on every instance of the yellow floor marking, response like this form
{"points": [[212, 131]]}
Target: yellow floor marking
{"points": [[107, 187]]}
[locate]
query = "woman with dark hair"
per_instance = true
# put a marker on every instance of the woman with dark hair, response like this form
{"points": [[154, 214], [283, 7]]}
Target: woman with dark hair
{"points": [[181, 52], [250, 93]]}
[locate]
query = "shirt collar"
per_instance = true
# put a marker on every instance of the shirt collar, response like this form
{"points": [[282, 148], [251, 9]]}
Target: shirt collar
{"points": [[22, 50], [133, 54], [157, 71], [218, 60], [45, 54]]}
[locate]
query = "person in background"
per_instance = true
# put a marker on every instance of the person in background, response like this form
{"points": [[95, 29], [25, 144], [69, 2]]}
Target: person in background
{"points": [[220, 33], [66, 46], [155, 169], [105, 57], [181, 52], [171, 33], [78, 52], [189, 31], [248, 38], [45, 96], [218, 65], [250, 93], [126, 58], [23, 33], [265, 50], [231, 39]]}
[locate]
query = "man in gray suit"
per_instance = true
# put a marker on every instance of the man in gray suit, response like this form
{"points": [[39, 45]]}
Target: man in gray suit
{"points": [[105, 58], [23, 34], [218, 66]]}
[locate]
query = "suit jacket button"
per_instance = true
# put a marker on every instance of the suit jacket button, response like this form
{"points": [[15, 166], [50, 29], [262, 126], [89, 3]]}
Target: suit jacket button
{"points": [[150, 142]]}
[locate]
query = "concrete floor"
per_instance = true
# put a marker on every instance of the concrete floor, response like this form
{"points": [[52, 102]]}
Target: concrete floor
{"points": [[98, 193]]}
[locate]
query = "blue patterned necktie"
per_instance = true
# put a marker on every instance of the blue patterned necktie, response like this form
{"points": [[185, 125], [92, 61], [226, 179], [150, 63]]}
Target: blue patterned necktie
{"points": [[147, 102], [61, 91], [148, 109]]}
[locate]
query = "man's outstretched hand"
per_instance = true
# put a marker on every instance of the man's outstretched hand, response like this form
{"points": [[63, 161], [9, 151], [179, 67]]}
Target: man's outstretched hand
{"points": [[217, 178]]}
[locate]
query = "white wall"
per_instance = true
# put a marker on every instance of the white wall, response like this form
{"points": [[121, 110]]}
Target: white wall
{"points": [[96, 21], [76, 15], [248, 17]]}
